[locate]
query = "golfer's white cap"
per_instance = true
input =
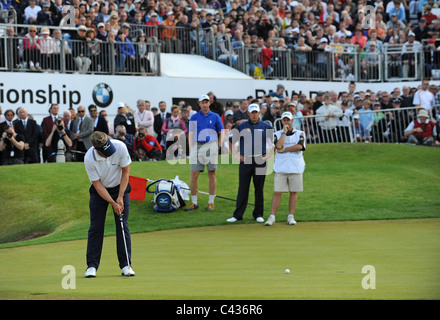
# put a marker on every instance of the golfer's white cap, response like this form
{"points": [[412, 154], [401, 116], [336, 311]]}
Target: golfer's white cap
{"points": [[204, 97], [287, 114], [253, 107]]}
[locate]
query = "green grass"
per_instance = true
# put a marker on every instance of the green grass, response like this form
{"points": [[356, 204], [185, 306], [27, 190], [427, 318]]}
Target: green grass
{"points": [[342, 182], [244, 262], [197, 255]]}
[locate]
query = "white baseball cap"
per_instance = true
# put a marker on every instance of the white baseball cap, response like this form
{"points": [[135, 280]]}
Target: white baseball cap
{"points": [[287, 114], [253, 107], [204, 97]]}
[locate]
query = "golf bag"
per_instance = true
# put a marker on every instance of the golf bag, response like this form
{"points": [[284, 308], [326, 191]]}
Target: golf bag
{"points": [[167, 196]]}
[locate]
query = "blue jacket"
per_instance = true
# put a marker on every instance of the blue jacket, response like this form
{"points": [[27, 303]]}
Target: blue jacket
{"points": [[126, 47]]}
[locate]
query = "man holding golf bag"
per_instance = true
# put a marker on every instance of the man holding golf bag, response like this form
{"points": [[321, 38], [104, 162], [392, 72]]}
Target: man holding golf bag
{"points": [[108, 167]]}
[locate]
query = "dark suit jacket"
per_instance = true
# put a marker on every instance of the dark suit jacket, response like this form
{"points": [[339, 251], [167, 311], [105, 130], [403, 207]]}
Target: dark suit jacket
{"points": [[101, 125], [158, 122], [30, 135]]}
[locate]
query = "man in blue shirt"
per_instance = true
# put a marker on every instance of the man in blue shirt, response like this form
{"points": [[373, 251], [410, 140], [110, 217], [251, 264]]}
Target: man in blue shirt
{"points": [[205, 135], [252, 136]]}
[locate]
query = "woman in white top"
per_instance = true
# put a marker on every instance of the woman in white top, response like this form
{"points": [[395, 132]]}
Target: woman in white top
{"points": [[46, 48], [144, 117]]}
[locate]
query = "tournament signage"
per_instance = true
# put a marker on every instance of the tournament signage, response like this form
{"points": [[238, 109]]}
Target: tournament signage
{"points": [[37, 91]]}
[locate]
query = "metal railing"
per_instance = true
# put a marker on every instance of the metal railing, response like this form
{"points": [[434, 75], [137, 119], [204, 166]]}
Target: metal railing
{"points": [[382, 126], [343, 63], [76, 56]]}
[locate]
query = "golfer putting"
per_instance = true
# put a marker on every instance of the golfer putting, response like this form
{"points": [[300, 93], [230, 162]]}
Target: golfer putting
{"points": [[107, 164]]}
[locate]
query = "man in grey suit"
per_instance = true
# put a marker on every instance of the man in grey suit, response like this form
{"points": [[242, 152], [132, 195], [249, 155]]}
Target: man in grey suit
{"points": [[82, 129]]}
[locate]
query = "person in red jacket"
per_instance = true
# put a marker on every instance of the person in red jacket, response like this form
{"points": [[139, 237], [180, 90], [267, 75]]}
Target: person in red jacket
{"points": [[146, 146], [264, 57], [421, 131]]}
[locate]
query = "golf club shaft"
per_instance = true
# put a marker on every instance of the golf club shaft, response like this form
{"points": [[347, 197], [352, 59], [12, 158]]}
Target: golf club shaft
{"points": [[123, 237]]}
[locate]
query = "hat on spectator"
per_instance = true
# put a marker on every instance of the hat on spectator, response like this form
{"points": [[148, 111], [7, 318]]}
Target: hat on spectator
{"points": [[125, 25], [275, 99], [423, 113], [287, 114], [170, 13], [397, 100], [45, 30], [101, 24], [410, 33], [120, 32], [82, 28], [323, 39], [228, 113], [356, 116], [121, 105], [431, 41], [295, 30], [273, 105], [154, 14], [422, 20], [280, 86], [203, 97], [46, 4], [253, 107]]}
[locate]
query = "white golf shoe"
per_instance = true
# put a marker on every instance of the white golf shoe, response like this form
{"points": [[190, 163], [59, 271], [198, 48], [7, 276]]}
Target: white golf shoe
{"points": [[259, 219], [127, 271], [233, 219], [91, 272], [270, 221], [290, 220]]}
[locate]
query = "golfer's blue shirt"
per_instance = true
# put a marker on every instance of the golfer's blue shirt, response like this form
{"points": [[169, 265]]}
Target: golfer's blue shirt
{"points": [[253, 137], [205, 127]]}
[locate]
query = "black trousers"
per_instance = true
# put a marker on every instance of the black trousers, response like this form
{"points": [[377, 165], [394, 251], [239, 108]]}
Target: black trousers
{"points": [[98, 210], [246, 172]]}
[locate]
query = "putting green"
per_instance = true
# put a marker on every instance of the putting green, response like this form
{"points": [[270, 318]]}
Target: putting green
{"points": [[242, 262]]}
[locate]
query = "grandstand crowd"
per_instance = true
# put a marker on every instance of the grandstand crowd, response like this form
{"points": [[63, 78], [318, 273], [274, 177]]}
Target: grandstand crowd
{"points": [[270, 27], [407, 115]]}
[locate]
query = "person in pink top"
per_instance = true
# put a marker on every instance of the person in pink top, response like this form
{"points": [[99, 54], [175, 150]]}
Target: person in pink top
{"points": [[174, 129], [31, 49]]}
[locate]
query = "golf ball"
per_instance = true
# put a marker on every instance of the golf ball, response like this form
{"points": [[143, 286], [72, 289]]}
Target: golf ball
{"points": [[287, 271]]}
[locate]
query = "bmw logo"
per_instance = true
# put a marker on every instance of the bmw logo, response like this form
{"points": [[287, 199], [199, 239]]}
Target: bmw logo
{"points": [[102, 95]]}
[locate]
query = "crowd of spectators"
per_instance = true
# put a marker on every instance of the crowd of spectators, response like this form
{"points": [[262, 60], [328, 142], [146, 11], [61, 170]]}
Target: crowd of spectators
{"points": [[268, 26], [153, 133]]}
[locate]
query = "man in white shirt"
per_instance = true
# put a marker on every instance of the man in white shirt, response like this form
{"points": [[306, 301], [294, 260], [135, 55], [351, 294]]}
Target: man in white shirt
{"points": [[31, 12], [107, 164], [327, 117], [423, 97], [289, 166]]}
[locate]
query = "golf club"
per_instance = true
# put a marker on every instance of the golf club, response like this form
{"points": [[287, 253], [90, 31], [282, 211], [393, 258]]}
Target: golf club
{"points": [[125, 243]]}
